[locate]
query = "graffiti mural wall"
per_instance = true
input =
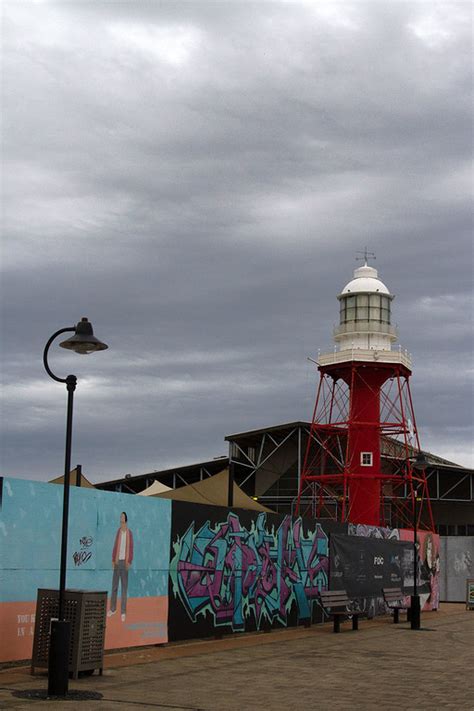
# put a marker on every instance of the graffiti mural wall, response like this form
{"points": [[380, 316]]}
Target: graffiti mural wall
{"points": [[118, 543], [176, 570], [234, 571]]}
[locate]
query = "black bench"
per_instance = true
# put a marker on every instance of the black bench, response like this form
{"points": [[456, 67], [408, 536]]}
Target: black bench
{"points": [[335, 604], [394, 599]]}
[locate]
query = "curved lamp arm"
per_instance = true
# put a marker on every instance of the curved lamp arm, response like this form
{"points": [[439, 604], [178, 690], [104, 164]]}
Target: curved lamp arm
{"points": [[46, 349]]}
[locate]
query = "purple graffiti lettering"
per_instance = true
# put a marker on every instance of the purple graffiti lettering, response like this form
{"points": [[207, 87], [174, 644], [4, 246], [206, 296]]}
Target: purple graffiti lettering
{"points": [[234, 574]]}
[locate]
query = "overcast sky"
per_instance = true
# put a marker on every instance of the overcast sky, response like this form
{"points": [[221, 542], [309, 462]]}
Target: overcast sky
{"points": [[196, 179]]}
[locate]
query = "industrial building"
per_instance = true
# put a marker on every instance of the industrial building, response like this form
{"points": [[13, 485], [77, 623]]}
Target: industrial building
{"points": [[267, 464]]}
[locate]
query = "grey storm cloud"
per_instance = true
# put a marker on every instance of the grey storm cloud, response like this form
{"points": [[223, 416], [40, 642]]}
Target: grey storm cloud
{"points": [[196, 179]]}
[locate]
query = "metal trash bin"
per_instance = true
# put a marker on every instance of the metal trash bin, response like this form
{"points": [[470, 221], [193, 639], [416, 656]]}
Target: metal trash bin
{"points": [[86, 610]]}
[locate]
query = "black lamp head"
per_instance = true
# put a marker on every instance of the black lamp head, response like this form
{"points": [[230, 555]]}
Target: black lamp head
{"points": [[84, 341]]}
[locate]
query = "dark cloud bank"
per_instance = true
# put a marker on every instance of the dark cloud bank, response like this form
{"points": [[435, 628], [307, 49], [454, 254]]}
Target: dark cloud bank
{"points": [[196, 179]]}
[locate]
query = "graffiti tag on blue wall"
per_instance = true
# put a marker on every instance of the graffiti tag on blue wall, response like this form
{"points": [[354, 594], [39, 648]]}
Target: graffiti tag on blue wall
{"points": [[233, 574]]}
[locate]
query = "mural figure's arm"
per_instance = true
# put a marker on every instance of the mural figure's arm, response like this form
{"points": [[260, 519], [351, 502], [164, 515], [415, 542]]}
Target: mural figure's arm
{"points": [[130, 551], [115, 549]]}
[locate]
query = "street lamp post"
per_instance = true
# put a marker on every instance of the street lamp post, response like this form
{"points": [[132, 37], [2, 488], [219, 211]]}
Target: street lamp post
{"points": [[415, 598], [83, 341], [415, 607]]}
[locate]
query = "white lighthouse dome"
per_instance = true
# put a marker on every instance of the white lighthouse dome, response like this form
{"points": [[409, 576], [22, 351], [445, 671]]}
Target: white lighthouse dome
{"points": [[365, 332], [365, 280]]}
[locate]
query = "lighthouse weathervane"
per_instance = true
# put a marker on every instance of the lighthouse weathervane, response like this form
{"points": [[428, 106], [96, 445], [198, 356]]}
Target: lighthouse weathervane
{"points": [[364, 410]]}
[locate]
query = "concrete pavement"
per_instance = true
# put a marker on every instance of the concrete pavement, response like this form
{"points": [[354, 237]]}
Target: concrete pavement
{"points": [[382, 666]]}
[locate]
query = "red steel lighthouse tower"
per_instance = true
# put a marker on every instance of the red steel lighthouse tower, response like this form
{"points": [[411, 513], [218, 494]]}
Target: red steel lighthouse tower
{"points": [[364, 410]]}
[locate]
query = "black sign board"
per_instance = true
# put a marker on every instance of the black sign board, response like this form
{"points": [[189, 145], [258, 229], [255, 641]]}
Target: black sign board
{"points": [[363, 566]]}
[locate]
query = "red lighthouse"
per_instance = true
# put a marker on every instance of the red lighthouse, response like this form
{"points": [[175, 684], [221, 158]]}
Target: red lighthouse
{"points": [[359, 461]]}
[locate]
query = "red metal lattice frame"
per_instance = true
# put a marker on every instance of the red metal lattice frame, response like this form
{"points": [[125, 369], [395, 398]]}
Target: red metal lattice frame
{"points": [[326, 472]]}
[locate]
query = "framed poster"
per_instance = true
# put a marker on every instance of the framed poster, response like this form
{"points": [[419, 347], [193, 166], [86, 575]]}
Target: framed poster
{"points": [[470, 594]]}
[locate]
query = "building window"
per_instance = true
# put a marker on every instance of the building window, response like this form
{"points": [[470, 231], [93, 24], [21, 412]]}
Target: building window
{"points": [[234, 451], [251, 453], [366, 459]]}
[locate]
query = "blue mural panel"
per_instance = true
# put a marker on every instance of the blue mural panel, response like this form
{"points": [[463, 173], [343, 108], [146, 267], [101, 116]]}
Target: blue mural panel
{"points": [[30, 536]]}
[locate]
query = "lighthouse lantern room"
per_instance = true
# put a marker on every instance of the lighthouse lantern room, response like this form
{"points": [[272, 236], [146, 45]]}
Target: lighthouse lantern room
{"points": [[364, 410]]}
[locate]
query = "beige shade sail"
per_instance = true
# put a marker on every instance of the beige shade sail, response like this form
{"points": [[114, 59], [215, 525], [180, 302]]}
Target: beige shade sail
{"points": [[156, 488], [77, 479], [214, 490]]}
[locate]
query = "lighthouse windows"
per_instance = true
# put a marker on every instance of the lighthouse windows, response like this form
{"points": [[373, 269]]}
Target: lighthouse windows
{"points": [[365, 307], [366, 459], [375, 307], [385, 310], [351, 311]]}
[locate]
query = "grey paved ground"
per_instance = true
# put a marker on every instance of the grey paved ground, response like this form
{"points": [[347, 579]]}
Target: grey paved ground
{"points": [[383, 666]]}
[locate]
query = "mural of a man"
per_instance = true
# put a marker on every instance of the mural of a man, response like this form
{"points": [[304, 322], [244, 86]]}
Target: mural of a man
{"points": [[122, 556]]}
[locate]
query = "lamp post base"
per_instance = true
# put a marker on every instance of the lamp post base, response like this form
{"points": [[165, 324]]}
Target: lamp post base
{"points": [[58, 662], [415, 610]]}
